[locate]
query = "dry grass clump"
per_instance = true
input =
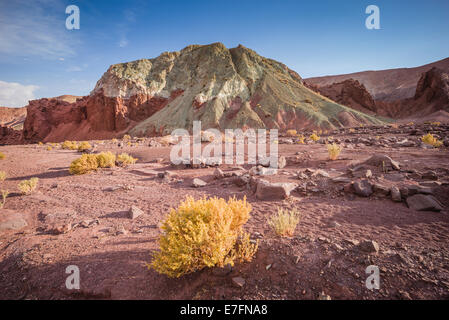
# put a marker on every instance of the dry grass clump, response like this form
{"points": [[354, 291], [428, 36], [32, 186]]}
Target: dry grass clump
{"points": [[431, 140], [2, 176], [49, 148], [126, 137], [314, 137], [203, 233], [5, 194], [83, 146], [284, 222], [2, 156], [69, 145], [125, 159], [28, 186], [334, 151], [301, 139], [292, 133]]}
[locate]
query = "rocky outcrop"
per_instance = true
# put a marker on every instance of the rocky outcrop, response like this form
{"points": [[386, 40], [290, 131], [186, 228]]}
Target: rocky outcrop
{"points": [[12, 117]]}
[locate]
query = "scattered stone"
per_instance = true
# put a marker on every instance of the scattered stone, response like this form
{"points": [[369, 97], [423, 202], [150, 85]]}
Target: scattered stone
{"points": [[282, 162], [134, 212], [363, 188], [238, 282], [383, 161], [13, 223], [380, 189], [121, 230], [323, 296], [430, 175], [395, 194], [320, 173], [341, 180], [273, 191], [218, 173], [198, 183], [369, 246], [421, 202]]}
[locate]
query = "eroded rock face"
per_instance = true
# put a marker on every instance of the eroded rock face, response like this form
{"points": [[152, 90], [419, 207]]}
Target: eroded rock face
{"points": [[223, 88]]}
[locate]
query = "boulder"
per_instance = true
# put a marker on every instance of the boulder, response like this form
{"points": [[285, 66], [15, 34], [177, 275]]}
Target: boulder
{"points": [[383, 161], [134, 212], [421, 202], [363, 188], [273, 191]]}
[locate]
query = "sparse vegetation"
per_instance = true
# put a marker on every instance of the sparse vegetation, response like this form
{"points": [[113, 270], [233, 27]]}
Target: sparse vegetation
{"points": [[334, 151], [86, 163], [203, 233], [2, 156], [106, 159], [5, 194], [83, 146], [125, 159], [28, 186], [126, 137], [69, 145], [291, 133], [49, 148], [2, 176], [431, 140], [284, 222], [301, 139]]}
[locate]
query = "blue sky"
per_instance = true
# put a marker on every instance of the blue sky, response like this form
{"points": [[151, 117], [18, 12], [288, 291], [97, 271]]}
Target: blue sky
{"points": [[39, 57]]}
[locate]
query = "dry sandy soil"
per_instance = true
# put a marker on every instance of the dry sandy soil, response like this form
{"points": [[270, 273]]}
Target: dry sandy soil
{"points": [[324, 256]]}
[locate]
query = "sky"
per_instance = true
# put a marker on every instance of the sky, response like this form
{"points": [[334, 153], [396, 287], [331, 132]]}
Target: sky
{"points": [[40, 57]]}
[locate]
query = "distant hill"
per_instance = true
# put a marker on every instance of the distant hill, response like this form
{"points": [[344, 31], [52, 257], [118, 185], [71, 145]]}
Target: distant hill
{"points": [[385, 85]]}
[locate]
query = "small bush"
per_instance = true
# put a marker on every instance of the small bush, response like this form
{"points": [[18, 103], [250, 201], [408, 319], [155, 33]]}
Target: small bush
{"points": [[49, 148], [126, 137], [334, 151], [28, 186], [84, 164], [69, 145], [314, 137], [83, 146], [114, 140], [5, 194], [301, 139], [40, 143], [125, 159], [203, 233], [106, 160], [292, 133], [2, 156], [2, 176], [431, 140], [284, 222]]}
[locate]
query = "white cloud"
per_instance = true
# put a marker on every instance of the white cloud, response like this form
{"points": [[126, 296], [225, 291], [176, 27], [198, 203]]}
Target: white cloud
{"points": [[123, 43], [15, 95], [35, 28]]}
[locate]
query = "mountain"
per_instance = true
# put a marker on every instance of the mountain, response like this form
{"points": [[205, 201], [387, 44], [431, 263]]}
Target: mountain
{"points": [[223, 88], [385, 85], [12, 117]]}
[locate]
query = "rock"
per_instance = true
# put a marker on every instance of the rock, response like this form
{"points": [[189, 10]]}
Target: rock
{"points": [[239, 282], [273, 191], [282, 162], [198, 183], [323, 296], [134, 212], [165, 175], [121, 230], [12, 223], [341, 180], [61, 229], [395, 194], [363, 188], [421, 202], [430, 175], [369, 246], [262, 171], [381, 189], [320, 173], [241, 181], [383, 162]]}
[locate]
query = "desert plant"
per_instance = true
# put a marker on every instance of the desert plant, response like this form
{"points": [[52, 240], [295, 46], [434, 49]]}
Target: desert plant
{"points": [[202, 233], [125, 159], [2, 156], [245, 250], [5, 194], [106, 159], [70, 145], [49, 148], [126, 137], [301, 139], [2, 176], [292, 133], [83, 146], [334, 151], [284, 222], [314, 137], [114, 140], [431, 140], [40, 143], [28, 186], [84, 164]]}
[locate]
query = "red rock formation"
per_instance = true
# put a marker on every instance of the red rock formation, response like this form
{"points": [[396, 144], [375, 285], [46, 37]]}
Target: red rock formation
{"points": [[10, 136]]}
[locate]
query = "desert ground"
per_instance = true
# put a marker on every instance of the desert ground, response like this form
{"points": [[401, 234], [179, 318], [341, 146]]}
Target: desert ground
{"points": [[351, 217]]}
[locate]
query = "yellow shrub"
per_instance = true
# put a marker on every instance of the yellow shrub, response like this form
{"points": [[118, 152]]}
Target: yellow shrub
{"points": [[291, 133], [125, 159], [49, 148], [351, 130], [334, 150], [284, 222], [83, 146], [435, 123], [202, 233], [2, 176], [5, 194], [106, 159], [314, 137], [70, 145], [114, 140], [40, 143], [431, 140], [126, 137], [245, 250], [84, 164], [28, 186], [301, 139], [2, 156]]}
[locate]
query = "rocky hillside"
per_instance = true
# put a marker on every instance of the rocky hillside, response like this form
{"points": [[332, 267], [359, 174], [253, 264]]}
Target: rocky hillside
{"points": [[12, 117], [385, 85], [223, 88]]}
